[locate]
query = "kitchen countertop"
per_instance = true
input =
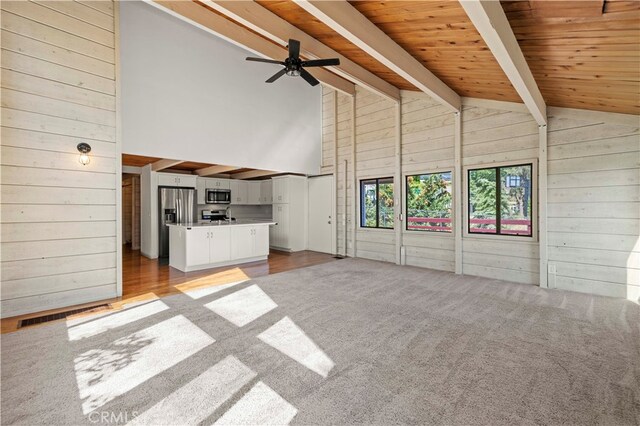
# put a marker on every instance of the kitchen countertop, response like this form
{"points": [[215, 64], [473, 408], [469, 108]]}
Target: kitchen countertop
{"points": [[240, 222]]}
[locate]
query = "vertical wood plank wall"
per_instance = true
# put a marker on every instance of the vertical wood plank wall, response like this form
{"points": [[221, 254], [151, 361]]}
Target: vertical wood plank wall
{"points": [[58, 217], [594, 204], [594, 188]]}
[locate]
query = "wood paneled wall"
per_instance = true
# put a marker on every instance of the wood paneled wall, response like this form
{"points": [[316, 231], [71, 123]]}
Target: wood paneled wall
{"points": [[427, 146], [494, 136], [593, 196], [337, 107], [594, 203], [375, 147], [58, 216]]}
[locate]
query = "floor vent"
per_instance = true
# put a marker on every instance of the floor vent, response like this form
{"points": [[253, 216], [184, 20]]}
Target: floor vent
{"points": [[60, 315], [339, 256]]}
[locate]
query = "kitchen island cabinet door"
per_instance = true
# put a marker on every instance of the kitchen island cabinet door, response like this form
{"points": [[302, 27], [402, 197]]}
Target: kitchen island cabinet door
{"points": [[219, 245], [261, 241], [242, 242], [197, 245]]}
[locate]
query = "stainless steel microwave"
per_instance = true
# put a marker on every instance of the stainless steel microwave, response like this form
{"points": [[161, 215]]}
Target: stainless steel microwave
{"points": [[217, 196]]}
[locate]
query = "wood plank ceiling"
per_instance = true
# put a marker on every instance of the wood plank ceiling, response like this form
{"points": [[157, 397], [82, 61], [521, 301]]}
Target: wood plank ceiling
{"points": [[583, 54], [437, 33], [186, 166]]}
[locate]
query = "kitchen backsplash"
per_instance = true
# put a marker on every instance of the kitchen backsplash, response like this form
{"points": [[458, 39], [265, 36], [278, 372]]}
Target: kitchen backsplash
{"points": [[239, 212]]}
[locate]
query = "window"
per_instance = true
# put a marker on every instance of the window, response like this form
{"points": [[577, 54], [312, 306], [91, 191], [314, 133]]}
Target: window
{"points": [[376, 203], [429, 202], [504, 208]]}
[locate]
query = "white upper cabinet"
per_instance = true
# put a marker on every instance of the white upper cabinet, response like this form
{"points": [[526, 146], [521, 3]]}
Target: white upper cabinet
{"points": [[253, 192], [266, 192], [239, 191], [280, 190], [169, 179], [215, 183], [201, 190]]}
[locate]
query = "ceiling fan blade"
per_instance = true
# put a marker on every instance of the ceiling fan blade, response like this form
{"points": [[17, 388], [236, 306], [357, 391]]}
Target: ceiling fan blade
{"points": [[276, 75], [294, 48], [321, 62], [268, 61], [308, 77]]}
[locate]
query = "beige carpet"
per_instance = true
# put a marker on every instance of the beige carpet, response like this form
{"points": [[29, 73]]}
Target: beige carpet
{"points": [[348, 342]]}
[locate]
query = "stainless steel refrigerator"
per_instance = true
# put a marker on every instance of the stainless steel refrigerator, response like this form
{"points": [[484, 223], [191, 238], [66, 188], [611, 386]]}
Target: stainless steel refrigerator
{"points": [[176, 205]]}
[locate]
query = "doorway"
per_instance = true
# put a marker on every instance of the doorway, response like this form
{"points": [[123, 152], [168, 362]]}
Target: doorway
{"points": [[131, 211], [321, 234]]}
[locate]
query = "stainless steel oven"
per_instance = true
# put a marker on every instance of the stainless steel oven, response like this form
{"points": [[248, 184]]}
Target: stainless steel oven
{"points": [[217, 196]]}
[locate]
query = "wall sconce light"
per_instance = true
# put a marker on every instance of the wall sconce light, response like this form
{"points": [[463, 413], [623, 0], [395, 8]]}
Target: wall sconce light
{"points": [[84, 149]]}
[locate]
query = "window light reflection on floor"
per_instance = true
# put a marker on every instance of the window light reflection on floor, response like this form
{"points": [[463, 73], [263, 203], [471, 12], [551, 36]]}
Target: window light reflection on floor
{"points": [[198, 399], [92, 326], [292, 341], [260, 406], [243, 306], [104, 374]]}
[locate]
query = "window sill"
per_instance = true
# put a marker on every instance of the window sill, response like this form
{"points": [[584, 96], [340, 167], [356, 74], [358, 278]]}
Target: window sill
{"points": [[498, 237], [383, 230]]}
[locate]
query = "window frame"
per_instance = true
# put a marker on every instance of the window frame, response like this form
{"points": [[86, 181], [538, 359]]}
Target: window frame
{"points": [[406, 201], [534, 201], [360, 204]]}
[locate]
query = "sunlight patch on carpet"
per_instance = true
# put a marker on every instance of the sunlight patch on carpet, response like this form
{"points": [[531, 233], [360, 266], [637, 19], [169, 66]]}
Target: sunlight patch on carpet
{"points": [[260, 406], [105, 374], [243, 306], [198, 399], [292, 341], [95, 326]]}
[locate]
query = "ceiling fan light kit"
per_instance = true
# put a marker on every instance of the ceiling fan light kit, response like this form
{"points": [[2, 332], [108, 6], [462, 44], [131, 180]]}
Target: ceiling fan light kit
{"points": [[294, 66]]}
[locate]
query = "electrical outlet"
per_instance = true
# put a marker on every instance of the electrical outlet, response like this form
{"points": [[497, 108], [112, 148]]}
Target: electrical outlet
{"points": [[552, 268]]}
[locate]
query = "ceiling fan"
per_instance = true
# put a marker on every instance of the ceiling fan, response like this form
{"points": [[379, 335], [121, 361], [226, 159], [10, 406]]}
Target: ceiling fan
{"points": [[294, 66]]}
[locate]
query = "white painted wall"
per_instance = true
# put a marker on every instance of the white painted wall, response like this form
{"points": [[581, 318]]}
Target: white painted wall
{"points": [[59, 218], [189, 95]]}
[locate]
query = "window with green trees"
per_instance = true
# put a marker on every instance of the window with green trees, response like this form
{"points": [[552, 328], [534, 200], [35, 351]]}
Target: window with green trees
{"points": [[500, 200], [376, 203], [429, 202]]}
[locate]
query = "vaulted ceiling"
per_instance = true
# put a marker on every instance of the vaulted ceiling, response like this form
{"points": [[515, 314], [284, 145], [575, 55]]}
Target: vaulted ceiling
{"points": [[583, 54]]}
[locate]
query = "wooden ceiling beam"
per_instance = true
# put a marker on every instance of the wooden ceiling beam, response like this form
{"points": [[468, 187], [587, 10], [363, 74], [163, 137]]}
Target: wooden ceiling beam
{"points": [[347, 21], [199, 16], [253, 174], [215, 170], [270, 25], [164, 164], [491, 22]]}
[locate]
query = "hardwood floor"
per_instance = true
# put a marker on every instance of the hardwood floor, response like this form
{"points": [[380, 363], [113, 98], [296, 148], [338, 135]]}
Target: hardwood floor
{"points": [[145, 279]]}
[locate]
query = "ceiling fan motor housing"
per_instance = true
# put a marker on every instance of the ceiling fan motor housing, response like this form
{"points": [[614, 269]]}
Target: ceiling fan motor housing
{"points": [[293, 66]]}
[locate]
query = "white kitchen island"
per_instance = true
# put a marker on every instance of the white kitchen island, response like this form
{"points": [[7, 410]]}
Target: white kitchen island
{"points": [[209, 245]]}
